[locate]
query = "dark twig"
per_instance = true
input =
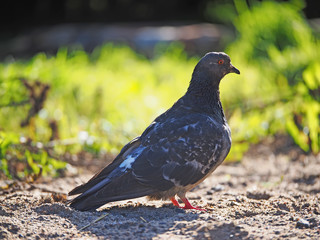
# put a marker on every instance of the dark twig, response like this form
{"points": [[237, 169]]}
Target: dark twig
{"points": [[15, 104], [96, 220], [38, 92]]}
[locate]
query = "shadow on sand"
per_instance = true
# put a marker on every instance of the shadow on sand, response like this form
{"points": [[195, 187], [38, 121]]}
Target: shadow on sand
{"points": [[143, 222]]}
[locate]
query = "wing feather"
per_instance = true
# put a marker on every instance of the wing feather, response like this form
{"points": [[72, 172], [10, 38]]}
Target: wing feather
{"points": [[103, 174], [179, 152]]}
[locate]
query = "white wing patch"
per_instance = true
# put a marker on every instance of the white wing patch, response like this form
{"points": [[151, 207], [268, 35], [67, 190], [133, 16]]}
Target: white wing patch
{"points": [[127, 163]]}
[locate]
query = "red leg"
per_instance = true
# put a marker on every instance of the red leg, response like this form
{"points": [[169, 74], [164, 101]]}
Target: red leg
{"points": [[174, 201], [189, 206]]}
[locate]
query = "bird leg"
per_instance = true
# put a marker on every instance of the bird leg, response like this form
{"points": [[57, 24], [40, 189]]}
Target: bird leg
{"points": [[174, 201], [187, 205]]}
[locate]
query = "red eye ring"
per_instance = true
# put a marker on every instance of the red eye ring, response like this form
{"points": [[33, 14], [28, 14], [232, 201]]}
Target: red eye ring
{"points": [[220, 61]]}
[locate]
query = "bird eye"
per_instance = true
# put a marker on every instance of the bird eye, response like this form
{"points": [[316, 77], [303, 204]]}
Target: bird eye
{"points": [[220, 61]]}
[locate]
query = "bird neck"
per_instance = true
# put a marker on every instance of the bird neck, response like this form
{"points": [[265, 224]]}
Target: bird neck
{"points": [[205, 99]]}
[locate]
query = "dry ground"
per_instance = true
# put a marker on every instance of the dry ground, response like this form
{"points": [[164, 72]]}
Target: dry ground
{"points": [[271, 194]]}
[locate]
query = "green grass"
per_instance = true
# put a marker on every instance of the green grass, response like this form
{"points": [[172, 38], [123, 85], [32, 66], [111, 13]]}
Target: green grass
{"points": [[280, 84], [99, 101]]}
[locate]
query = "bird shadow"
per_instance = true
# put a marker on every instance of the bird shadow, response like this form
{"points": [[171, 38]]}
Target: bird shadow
{"points": [[142, 222], [122, 222]]}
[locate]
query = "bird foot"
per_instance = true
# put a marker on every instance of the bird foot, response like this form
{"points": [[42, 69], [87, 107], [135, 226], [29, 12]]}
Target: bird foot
{"points": [[195, 208], [187, 204]]}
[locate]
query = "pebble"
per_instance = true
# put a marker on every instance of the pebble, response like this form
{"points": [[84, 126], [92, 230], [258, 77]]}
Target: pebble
{"points": [[233, 203], [218, 188], [302, 223]]}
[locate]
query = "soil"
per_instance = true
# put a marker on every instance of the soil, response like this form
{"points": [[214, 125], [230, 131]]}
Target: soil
{"points": [[270, 194]]}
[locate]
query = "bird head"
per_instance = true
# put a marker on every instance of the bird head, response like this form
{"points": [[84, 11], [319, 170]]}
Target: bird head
{"points": [[213, 67], [217, 64]]}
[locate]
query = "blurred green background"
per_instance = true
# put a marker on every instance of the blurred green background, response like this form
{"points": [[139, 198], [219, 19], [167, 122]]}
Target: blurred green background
{"points": [[56, 106]]}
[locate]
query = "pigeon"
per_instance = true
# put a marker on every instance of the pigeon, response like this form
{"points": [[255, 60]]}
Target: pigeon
{"points": [[175, 153]]}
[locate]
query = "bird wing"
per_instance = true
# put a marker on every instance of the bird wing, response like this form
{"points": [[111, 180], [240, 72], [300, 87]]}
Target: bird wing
{"points": [[104, 173], [181, 151], [127, 149], [113, 182]]}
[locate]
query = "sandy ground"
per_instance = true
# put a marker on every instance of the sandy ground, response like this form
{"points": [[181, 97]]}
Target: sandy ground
{"points": [[268, 195]]}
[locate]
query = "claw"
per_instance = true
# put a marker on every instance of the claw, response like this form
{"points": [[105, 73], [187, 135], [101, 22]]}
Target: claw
{"points": [[189, 206]]}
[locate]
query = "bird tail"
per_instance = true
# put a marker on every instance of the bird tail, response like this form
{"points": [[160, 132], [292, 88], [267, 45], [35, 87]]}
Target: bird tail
{"points": [[121, 188]]}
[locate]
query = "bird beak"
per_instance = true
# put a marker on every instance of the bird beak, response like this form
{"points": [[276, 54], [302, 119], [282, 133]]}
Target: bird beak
{"points": [[233, 69]]}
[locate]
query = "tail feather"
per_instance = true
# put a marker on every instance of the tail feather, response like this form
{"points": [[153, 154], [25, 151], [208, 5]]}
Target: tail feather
{"points": [[105, 172], [122, 188]]}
